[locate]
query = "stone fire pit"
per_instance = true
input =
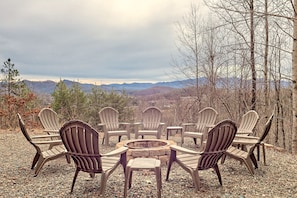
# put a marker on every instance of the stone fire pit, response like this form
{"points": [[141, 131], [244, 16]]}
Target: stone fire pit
{"points": [[155, 148]]}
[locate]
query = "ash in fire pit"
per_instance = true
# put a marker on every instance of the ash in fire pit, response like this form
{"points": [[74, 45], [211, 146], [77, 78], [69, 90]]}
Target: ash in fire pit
{"points": [[154, 148]]}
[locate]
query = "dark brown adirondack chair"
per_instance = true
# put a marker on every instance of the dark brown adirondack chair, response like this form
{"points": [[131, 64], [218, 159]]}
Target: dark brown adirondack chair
{"points": [[219, 139], [82, 144]]}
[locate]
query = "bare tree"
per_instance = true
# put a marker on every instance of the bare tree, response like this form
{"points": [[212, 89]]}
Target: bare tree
{"points": [[294, 80], [239, 16], [187, 44]]}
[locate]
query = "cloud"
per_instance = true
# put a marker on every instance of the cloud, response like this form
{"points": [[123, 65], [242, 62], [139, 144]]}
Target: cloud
{"points": [[128, 40]]}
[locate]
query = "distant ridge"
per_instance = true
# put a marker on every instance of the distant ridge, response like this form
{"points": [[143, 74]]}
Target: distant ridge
{"points": [[48, 86]]}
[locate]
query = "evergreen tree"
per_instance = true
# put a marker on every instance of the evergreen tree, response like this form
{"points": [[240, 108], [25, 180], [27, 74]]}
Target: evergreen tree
{"points": [[10, 82], [61, 100]]}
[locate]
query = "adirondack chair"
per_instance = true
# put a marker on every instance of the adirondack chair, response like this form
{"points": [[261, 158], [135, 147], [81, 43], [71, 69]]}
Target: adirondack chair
{"points": [[111, 126], [49, 120], [247, 156], [151, 123], [82, 144], [205, 121], [219, 139], [56, 148]]}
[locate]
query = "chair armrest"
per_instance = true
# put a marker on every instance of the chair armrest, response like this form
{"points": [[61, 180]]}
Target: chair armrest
{"points": [[184, 150], [137, 123], [209, 126], [246, 137], [48, 142], [242, 132], [51, 131], [161, 125], [124, 123], [118, 151], [103, 125], [45, 136], [188, 124]]}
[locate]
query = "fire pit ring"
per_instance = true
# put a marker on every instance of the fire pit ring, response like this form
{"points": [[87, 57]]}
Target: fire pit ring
{"points": [[150, 148]]}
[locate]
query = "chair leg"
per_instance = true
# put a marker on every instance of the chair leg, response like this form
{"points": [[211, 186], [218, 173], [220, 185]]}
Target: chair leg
{"points": [[216, 168], [223, 159], [253, 158], [128, 177], [74, 179], [196, 180], [68, 158], [195, 141], [107, 141], [258, 152], [104, 177], [39, 165], [264, 157], [92, 175], [159, 180], [249, 165], [128, 136], [35, 160], [171, 160]]}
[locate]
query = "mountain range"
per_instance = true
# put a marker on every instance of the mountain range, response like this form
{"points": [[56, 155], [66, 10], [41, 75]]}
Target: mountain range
{"points": [[48, 86]]}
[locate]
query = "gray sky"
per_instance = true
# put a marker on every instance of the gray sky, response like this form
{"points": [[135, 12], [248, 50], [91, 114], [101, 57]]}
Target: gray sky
{"points": [[102, 41]]}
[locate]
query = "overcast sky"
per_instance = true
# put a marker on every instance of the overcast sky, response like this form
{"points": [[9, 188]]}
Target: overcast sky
{"points": [[105, 41]]}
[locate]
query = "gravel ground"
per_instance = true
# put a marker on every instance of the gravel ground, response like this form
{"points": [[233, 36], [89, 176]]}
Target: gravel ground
{"points": [[278, 179]]}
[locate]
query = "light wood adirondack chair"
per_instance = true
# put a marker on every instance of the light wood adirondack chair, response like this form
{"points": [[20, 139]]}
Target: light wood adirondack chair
{"points": [[56, 148], [248, 123], [247, 156], [82, 144], [219, 139], [109, 118], [49, 120], [151, 123], [205, 121]]}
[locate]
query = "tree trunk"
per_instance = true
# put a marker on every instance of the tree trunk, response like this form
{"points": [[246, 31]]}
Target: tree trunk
{"points": [[266, 57], [294, 80], [253, 68]]}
